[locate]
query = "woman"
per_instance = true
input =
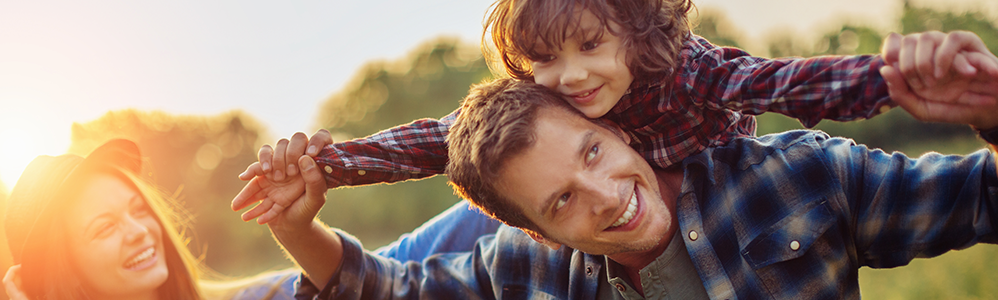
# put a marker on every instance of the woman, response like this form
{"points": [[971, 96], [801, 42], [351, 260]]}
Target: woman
{"points": [[90, 228]]}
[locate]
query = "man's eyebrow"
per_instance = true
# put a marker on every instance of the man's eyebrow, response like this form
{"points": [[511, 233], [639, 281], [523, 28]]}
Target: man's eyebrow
{"points": [[581, 153]]}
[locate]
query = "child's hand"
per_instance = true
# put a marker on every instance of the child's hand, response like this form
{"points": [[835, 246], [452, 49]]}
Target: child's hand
{"points": [[979, 109], [300, 213], [954, 68], [277, 194]]}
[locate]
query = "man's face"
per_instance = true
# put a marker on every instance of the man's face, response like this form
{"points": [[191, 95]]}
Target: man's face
{"points": [[585, 188]]}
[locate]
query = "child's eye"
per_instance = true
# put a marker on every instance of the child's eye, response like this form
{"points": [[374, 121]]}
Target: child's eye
{"points": [[589, 45], [593, 151], [543, 58], [562, 200]]}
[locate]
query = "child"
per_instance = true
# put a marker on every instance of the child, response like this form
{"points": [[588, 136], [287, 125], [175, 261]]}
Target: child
{"points": [[634, 64]]}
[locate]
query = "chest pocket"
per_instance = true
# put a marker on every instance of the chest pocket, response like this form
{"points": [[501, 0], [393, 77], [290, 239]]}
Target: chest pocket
{"points": [[790, 237]]}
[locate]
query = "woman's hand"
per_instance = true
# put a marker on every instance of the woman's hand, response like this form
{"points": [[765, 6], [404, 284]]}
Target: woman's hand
{"points": [[12, 283]]}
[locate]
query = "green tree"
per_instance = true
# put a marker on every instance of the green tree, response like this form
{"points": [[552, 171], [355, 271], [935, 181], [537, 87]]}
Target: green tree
{"points": [[428, 83], [714, 26], [918, 19]]}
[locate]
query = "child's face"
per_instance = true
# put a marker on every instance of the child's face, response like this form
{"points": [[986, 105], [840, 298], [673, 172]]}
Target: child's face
{"points": [[589, 67]]}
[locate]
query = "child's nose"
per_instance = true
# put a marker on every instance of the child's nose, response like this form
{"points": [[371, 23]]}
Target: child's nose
{"points": [[573, 73]]}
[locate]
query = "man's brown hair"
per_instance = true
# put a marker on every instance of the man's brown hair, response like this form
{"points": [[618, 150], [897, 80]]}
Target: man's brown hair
{"points": [[653, 31], [496, 122]]}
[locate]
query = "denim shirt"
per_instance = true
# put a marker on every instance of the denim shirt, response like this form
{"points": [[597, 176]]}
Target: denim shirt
{"points": [[786, 216]]}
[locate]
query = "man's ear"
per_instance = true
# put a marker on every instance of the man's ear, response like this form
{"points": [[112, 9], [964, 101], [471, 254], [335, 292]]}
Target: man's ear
{"points": [[540, 239]]}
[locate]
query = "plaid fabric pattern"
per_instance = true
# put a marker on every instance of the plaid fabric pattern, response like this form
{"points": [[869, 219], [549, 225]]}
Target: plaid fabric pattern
{"points": [[708, 101], [785, 216]]}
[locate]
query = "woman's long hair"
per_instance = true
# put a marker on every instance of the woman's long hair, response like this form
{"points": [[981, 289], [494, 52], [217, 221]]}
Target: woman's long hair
{"points": [[56, 279]]}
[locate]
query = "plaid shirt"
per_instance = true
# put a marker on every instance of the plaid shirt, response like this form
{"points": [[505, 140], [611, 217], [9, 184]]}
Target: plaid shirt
{"points": [[785, 216], [668, 118]]}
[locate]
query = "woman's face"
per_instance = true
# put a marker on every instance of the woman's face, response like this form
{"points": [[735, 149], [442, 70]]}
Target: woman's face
{"points": [[115, 241]]}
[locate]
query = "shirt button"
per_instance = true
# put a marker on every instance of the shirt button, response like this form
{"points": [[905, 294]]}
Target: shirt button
{"points": [[328, 169], [361, 172], [693, 235], [589, 270], [794, 245], [621, 288]]}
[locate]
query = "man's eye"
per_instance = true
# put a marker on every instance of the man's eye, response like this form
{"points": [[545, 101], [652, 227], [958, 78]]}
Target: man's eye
{"points": [[589, 45], [592, 153], [562, 200]]}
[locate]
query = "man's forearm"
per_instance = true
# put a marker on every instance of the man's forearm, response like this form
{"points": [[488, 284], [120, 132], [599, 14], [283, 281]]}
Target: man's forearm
{"points": [[317, 250]]}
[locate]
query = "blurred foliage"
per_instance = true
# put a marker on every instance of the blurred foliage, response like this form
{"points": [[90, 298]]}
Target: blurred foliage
{"points": [[429, 83], [918, 19], [714, 26], [197, 158]]}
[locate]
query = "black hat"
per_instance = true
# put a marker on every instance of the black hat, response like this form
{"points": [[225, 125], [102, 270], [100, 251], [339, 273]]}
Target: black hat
{"points": [[32, 200]]}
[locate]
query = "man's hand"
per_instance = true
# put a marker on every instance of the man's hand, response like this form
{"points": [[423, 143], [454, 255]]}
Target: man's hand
{"points": [[979, 114], [278, 189], [313, 247], [953, 68]]}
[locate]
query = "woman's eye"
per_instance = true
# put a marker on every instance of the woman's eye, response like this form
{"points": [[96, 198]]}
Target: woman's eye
{"points": [[589, 45], [103, 230], [143, 210], [562, 200], [592, 153]]}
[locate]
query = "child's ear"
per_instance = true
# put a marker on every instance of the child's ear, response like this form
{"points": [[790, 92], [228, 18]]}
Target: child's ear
{"points": [[540, 239]]}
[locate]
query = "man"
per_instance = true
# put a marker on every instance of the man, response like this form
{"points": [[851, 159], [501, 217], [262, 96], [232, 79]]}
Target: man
{"points": [[792, 215]]}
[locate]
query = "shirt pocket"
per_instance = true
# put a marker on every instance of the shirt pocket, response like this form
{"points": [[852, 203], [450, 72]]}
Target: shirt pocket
{"points": [[790, 237], [799, 257]]}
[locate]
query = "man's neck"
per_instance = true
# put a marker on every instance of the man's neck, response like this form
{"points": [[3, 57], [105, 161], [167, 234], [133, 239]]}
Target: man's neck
{"points": [[669, 182]]}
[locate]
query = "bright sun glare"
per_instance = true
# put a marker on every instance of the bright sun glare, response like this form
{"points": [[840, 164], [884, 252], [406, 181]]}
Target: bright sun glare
{"points": [[14, 156], [19, 148]]}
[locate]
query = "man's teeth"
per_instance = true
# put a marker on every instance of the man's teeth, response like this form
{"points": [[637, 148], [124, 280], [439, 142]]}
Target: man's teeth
{"points": [[632, 208], [145, 255]]}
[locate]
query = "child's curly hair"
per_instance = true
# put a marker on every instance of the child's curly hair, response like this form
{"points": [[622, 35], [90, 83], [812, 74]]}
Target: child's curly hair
{"points": [[653, 31]]}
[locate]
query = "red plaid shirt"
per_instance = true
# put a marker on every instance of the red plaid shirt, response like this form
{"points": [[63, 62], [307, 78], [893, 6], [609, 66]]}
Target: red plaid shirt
{"points": [[708, 101]]}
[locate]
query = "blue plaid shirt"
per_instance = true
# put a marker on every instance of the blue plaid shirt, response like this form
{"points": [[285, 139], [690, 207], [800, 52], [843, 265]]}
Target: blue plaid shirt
{"points": [[786, 216]]}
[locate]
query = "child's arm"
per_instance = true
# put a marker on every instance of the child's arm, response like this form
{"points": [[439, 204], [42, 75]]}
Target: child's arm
{"points": [[838, 88], [453, 230]]}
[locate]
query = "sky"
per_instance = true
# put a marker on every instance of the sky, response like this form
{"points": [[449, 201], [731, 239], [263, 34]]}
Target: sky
{"points": [[72, 61]]}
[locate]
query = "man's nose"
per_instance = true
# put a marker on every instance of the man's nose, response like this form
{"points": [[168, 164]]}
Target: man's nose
{"points": [[602, 196]]}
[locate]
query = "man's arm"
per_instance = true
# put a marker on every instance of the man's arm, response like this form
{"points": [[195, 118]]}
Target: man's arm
{"points": [[316, 250]]}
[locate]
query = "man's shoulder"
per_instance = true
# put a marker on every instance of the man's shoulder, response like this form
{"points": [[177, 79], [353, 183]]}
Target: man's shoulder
{"points": [[751, 150]]}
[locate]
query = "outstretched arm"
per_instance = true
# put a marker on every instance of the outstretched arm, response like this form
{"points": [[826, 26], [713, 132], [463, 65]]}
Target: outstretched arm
{"points": [[313, 247]]}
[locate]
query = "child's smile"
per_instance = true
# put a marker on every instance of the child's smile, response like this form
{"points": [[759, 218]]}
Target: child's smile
{"points": [[589, 67]]}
